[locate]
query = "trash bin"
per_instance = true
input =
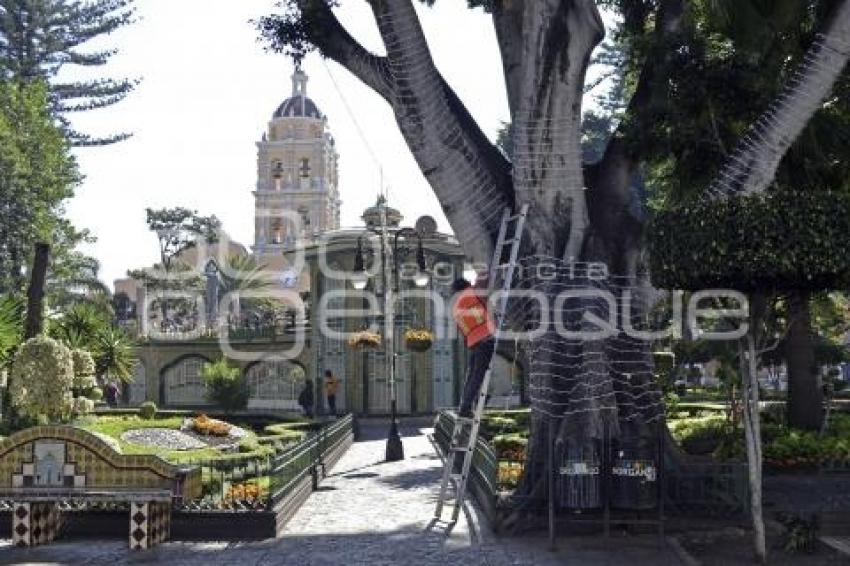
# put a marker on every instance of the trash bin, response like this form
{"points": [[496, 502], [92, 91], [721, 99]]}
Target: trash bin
{"points": [[577, 477], [634, 472]]}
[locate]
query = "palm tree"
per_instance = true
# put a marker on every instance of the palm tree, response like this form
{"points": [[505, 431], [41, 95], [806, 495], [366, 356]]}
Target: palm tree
{"points": [[114, 354], [74, 278], [243, 273], [80, 325]]}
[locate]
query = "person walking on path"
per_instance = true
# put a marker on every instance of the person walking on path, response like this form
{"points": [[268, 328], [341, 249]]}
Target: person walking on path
{"points": [[474, 322], [112, 392], [305, 398], [331, 387]]}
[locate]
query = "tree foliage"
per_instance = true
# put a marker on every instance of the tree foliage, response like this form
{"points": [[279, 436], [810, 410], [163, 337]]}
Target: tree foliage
{"points": [[37, 174], [114, 354], [784, 240], [225, 385], [40, 38], [41, 379], [11, 328]]}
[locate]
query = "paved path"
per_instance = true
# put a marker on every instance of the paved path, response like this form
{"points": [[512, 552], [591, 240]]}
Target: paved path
{"points": [[367, 512]]}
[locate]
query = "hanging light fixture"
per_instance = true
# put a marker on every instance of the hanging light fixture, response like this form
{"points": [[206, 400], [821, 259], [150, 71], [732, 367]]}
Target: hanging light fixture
{"points": [[421, 278], [359, 278]]}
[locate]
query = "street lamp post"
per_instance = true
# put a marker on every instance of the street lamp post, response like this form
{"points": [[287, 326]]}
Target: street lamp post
{"points": [[390, 256]]}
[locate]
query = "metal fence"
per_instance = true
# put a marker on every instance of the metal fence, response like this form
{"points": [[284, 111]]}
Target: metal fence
{"points": [[307, 457], [711, 489], [484, 476], [261, 483], [708, 489]]}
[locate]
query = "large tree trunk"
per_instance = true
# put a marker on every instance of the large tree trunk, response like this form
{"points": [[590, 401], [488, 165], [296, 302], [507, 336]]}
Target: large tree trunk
{"points": [[585, 386], [34, 323], [805, 398]]}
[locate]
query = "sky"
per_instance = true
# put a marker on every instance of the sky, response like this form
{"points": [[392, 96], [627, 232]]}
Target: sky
{"points": [[207, 92]]}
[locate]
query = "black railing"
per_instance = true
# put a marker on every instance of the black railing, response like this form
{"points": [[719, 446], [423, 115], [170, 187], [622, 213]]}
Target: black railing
{"points": [[307, 458], [254, 483], [713, 489]]}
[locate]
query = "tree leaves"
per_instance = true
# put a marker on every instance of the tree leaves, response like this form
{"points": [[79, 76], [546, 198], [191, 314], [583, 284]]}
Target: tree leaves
{"points": [[40, 37], [783, 240]]}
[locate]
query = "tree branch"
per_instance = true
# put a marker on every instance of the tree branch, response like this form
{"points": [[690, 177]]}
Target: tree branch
{"points": [[753, 164], [617, 234], [507, 21], [619, 156], [319, 26], [469, 175], [548, 52]]}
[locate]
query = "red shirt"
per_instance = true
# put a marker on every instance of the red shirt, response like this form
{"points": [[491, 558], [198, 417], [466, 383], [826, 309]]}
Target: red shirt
{"points": [[473, 320]]}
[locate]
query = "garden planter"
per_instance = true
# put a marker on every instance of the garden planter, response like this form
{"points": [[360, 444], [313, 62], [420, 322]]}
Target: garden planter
{"points": [[418, 340], [364, 340]]}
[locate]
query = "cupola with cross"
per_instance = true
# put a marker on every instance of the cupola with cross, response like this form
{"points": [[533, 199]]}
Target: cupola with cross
{"points": [[297, 192]]}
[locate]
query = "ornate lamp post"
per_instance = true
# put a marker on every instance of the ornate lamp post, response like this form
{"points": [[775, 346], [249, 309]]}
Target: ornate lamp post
{"points": [[390, 260]]}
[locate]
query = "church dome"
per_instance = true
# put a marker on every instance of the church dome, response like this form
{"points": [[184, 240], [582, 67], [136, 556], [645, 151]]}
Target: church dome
{"points": [[298, 105]]}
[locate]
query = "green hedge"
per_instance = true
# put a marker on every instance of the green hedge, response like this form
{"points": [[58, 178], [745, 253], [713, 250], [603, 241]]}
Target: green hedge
{"points": [[289, 427], [782, 240]]}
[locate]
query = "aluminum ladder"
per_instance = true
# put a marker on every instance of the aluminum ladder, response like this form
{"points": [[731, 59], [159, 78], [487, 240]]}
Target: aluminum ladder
{"points": [[510, 234]]}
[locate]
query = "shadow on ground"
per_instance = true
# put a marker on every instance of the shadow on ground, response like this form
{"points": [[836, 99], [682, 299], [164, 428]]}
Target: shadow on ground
{"points": [[410, 544]]}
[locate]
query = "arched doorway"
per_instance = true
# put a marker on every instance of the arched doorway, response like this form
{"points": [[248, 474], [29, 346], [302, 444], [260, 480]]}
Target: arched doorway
{"points": [[182, 382]]}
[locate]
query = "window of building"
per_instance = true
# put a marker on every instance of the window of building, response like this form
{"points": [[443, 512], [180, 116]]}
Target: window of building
{"points": [[305, 167]]}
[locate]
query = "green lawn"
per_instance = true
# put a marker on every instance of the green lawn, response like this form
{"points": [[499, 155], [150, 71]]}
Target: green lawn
{"points": [[115, 426]]}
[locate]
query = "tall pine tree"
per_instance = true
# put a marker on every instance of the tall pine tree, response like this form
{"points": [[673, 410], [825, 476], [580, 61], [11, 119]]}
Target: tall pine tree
{"points": [[38, 38]]}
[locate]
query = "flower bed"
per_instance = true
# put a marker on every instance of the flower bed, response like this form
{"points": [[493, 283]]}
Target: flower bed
{"points": [[206, 426]]}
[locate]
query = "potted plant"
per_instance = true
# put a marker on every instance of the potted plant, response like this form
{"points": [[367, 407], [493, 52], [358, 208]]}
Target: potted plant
{"points": [[418, 340], [364, 339]]}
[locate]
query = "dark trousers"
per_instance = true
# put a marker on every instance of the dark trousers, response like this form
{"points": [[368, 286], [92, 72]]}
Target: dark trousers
{"points": [[479, 361], [332, 404]]}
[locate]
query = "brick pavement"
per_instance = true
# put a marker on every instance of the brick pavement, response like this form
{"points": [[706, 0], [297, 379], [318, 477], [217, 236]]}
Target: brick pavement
{"points": [[366, 512]]}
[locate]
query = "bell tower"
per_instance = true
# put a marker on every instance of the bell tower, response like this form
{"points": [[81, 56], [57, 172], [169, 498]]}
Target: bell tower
{"points": [[297, 194]]}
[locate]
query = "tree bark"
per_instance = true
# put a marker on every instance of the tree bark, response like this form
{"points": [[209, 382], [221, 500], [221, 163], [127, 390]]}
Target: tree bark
{"points": [[34, 323], [805, 398]]}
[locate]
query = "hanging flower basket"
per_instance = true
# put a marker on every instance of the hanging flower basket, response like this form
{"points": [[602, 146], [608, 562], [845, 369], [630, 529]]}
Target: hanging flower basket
{"points": [[418, 340], [364, 340]]}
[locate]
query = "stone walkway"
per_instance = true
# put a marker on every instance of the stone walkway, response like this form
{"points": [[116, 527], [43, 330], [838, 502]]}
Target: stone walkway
{"points": [[366, 512]]}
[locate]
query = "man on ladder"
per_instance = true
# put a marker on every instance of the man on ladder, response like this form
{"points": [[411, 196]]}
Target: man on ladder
{"points": [[475, 323], [481, 333]]}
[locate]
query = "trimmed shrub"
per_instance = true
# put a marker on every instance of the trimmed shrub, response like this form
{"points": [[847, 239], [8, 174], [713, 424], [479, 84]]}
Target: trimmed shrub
{"points": [[281, 441], [95, 394], [147, 410], [780, 240], [500, 425], [83, 370], [286, 428], [225, 385], [83, 406], [42, 378]]}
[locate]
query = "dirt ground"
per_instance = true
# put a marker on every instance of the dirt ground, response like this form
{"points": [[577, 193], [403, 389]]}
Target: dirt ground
{"points": [[735, 546]]}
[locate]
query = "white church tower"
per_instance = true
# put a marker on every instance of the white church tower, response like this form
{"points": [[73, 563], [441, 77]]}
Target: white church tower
{"points": [[297, 193]]}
